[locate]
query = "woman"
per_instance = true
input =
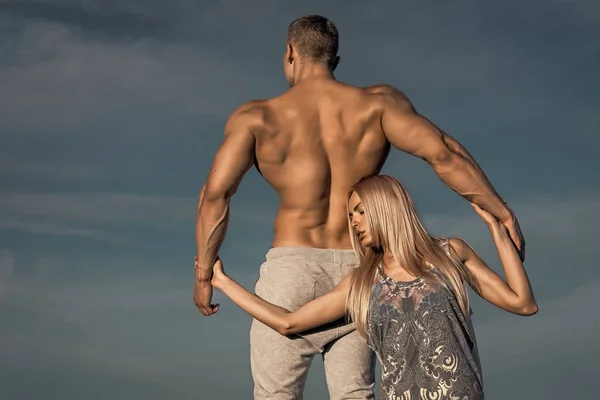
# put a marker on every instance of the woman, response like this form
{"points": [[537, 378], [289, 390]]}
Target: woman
{"points": [[408, 298]]}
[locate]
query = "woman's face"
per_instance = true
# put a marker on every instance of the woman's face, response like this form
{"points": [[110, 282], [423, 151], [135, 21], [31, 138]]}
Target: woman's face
{"points": [[358, 221]]}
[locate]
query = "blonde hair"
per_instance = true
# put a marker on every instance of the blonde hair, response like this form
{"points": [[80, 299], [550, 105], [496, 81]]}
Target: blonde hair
{"points": [[395, 227]]}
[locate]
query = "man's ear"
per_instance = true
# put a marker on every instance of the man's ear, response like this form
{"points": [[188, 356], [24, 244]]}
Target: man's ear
{"points": [[289, 53], [335, 63]]}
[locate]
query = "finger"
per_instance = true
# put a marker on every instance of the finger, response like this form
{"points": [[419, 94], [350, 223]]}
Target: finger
{"points": [[205, 311], [520, 245], [209, 310], [200, 307], [517, 241], [521, 254], [514, 237]]}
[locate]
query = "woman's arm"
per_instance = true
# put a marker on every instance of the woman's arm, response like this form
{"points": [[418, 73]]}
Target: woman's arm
{"points": [[514, 294], [329, 307]]}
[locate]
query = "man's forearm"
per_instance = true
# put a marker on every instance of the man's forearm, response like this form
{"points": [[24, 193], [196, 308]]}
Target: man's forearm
{"points": [[201, 197], [211, 226], [460, 172]]}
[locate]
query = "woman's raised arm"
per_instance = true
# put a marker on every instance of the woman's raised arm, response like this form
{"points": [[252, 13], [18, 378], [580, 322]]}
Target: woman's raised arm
{"points": [[513, 294]]}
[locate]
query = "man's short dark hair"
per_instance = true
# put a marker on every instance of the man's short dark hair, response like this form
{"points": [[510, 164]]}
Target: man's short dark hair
{"points": [[314, 37]]}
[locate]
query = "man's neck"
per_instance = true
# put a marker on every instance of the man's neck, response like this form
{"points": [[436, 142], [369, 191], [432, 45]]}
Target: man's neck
{"points": [[313, 71]]}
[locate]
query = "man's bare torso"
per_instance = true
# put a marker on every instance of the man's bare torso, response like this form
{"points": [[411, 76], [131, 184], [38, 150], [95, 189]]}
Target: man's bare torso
{"points": [[312, 145]]}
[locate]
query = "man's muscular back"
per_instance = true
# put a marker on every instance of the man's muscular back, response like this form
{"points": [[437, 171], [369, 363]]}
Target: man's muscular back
{"points": [[317, 140], [312, 144]]}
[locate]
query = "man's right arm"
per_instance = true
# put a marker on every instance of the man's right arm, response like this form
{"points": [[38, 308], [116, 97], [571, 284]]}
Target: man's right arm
{"points": [[232, 161], [410, 132]]}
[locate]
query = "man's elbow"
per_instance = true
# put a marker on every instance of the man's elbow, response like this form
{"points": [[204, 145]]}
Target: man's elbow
{"points": [[215, 197], [213, 193], [212, 205]]}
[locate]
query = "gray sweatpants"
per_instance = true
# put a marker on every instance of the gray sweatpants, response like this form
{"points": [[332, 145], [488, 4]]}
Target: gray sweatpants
{"points": [[291, 277]]}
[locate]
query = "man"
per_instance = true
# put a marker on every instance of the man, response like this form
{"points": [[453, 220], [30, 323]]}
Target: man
{"points": [[311, 144]]}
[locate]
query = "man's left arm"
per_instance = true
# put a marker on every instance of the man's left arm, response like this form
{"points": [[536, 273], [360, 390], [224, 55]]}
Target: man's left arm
{"points": [[409, 131], [234, 158]]}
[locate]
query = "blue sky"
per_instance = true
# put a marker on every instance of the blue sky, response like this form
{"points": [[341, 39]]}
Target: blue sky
{"points": [[111, 112]]}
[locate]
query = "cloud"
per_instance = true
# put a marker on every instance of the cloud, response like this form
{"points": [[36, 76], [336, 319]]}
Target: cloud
{"points": [[60, 170], [45, 228], [96, 322], [7, 263], [69, 78], [95, 96], [7, 267], [107, 216], [15, 283], [99, 17], [99, 208], [566, 217], [81, 86], [114, 218]]}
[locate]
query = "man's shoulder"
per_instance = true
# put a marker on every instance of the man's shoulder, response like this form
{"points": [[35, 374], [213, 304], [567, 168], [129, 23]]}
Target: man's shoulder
{"points": [[387, 96], [251, 107], [385, 90], [251, 112]]}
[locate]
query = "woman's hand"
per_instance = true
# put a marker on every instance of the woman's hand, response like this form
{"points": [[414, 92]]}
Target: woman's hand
{"points": [[488, 218], [219, 277]]}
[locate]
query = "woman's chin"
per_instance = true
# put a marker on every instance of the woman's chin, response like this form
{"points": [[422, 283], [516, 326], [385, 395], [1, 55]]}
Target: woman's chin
{"points": [[366, 243]]}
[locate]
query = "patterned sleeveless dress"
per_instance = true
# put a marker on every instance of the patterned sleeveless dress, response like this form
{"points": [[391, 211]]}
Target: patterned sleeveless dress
{"points": [[425, 344]]}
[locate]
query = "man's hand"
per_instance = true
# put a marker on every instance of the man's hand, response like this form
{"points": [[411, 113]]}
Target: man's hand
{"points": [[514, 230], [203, 294]]}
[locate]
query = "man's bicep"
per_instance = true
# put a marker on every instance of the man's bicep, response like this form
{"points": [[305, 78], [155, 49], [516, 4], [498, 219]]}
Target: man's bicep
{"points": [[233, 159], [409, 131]]}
